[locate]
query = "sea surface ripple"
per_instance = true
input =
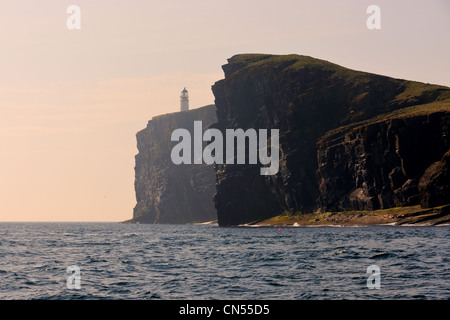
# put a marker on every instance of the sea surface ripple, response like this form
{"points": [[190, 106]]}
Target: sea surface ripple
{"points": [[124, 261]]}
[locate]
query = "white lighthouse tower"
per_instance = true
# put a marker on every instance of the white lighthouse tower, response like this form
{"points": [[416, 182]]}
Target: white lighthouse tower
{"points": [[184, 99]]}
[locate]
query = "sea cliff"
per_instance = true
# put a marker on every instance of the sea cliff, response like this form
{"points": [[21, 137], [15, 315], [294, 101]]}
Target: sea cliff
{"points": [[354, 148], [167, 193], [349, 140]]}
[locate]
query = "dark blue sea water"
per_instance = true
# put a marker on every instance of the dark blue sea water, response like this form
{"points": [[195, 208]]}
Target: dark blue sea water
{"points": [[122, 261]]}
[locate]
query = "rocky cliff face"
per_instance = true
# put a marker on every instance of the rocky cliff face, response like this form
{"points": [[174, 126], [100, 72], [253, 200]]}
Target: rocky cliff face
{"points": [[348, 139], [379, 165], [169, 193]]}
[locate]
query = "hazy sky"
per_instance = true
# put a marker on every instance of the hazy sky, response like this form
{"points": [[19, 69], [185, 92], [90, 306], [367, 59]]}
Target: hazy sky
{"points": [[71, 101]]}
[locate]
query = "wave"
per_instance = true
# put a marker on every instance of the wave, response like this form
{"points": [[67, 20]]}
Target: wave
{"points": [[206, 223]]}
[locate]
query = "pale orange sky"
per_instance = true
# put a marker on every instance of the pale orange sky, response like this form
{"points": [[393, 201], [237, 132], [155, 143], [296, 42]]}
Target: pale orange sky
{"points": [[71, 101]]}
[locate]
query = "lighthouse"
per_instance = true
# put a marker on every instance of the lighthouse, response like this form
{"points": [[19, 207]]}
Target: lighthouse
{"points": [[184, 100]]}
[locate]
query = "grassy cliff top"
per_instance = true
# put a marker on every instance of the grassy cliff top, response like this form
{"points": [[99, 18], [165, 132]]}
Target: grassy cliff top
{"points": [[405, 98], [255, 61], [409, 112], [295, 62]]}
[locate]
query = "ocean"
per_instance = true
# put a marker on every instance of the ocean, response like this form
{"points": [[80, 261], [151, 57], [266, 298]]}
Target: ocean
{"points": [[134, 262]]}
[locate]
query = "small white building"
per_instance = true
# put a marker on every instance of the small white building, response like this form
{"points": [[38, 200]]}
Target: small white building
{"points": [[184, 99]]}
